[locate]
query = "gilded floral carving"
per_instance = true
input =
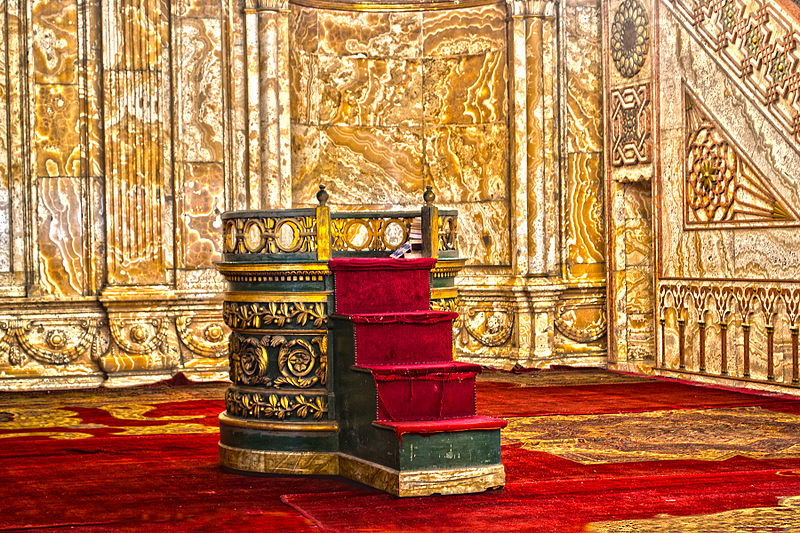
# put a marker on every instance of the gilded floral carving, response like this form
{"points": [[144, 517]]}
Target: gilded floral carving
{"points": [[273, 314], [273, 405]]}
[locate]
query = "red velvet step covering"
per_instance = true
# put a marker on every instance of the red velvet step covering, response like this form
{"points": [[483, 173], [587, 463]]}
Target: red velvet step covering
{"points": [[404, 338], [381, 285], [425, 392], [429, 427]]}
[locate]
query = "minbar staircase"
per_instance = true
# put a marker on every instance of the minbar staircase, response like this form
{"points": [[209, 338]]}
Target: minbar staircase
{"points": [[407, 418]]}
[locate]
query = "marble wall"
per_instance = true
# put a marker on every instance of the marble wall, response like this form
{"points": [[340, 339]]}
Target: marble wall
{"points": [[113, 181], [128, 127], [703, 200]]}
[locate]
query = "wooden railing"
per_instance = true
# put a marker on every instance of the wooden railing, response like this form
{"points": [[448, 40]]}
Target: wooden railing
{"points": [[318, 234]]}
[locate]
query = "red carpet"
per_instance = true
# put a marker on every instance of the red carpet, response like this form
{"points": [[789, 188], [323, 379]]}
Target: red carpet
{"points": [[506, 399], [146, 459]]}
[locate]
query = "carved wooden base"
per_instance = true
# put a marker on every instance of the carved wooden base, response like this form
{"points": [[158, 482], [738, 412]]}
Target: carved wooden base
{"points": [[422, 482]]}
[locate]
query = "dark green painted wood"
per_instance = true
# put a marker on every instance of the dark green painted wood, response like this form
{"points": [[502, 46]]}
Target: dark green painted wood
{"points": [[453, 449], [289, 441]]}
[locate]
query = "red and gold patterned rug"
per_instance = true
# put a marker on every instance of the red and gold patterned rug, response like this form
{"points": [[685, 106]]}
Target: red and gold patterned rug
{"points": [[585, 450]]}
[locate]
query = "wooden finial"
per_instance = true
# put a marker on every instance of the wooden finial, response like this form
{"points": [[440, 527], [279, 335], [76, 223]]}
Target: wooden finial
{"points": [[322, 195], [429, 196]]}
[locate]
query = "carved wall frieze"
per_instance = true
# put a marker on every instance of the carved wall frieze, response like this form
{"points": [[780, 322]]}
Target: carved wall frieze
{"points": [[49, 343], [204, 336], [757, 42], [491, 326], [279, 406], [139, 335], [631, 125], [581, 321], [274, 314]]}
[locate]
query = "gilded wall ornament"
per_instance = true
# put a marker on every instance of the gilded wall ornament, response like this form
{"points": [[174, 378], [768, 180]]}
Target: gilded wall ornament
{"points": [[722, 185], [301, 364], [630, 34]]}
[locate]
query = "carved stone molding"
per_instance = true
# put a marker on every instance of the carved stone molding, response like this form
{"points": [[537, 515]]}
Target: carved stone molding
{"points": [[631, 125], [489, 325], [54, 343], [581, 321], [204, 335]]}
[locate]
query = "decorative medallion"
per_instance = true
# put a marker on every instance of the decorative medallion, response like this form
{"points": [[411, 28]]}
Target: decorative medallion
{"points": [[490, 326], [249, 359], [630, 34], [631, 125], [722, 186]]}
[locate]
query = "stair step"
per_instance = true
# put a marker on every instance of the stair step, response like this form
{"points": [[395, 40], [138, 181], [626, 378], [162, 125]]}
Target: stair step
{"points": [[428, 427], [423, 369], [425, 392], [403, 338], [381, 285]]}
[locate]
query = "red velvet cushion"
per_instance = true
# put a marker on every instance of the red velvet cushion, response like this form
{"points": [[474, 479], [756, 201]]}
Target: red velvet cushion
{"points": [[431, 396], [399, 342], [381, 285]]}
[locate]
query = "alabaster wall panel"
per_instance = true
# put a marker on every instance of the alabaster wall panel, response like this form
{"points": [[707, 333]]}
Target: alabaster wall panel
{"points": [[458, 32], [5, 222], [369, 92], [584, 87], [208, 9], [55, 44], [358, 165], [204, 201], [200, 93], [57, 131], [369, 34], [465, 89], [383, 104], [584, 209], [467, 163], [61, 237], [483, 232]]}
